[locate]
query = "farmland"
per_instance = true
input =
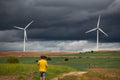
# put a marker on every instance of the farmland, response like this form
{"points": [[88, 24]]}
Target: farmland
{"points": [[105, 61]]}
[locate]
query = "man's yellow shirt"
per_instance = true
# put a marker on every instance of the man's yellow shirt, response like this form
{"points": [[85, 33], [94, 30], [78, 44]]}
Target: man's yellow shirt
{"points": [[42, 65]]}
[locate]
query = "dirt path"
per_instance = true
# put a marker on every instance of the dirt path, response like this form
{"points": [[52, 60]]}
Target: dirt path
{"points": [[69, 74], [30, 76], [8, 77], [13, 77]]}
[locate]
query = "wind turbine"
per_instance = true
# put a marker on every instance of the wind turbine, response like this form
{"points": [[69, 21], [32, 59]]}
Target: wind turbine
{"points": [[98, 29], [25, 34]]}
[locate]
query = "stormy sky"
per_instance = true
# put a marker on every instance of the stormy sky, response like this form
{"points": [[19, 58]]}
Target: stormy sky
{"points": [[59, 22]]}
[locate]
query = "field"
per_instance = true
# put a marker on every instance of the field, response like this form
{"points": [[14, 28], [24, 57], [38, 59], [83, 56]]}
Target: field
{"points": [[33, 54], [98, 65]]}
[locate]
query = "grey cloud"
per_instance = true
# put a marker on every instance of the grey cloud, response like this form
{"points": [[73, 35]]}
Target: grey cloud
{"points": [[112, 8], [115, 6], [9, 35], [52, 46], [73, 3]]}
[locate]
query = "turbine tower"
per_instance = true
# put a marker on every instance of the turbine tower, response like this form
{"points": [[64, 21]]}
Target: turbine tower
{"points": [[25, 34], [98, 29]]}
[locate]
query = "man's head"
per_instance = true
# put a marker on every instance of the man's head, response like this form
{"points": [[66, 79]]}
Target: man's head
{"points": [[43, 57]]}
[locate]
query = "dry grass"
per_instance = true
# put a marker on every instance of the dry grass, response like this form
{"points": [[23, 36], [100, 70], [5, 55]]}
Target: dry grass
{"points": [[33, 54], [103, 74]]}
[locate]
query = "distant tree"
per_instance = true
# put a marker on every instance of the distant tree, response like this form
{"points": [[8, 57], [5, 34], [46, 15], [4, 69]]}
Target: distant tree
{"points": [[36, 61], [66, 59], [80, 57], [87, 57], [92, 51], [49, 59], [12, 60]]}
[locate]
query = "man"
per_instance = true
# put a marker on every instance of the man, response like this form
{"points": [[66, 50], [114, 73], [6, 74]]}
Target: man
{"points": [[42, 63]]}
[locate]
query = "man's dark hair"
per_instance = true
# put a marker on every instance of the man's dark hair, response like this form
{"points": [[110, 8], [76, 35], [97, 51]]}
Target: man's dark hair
{"points": [[43, 57]]}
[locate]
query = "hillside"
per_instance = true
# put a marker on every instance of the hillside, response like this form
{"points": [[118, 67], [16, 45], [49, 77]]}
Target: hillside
{"points": [[35, 54]]}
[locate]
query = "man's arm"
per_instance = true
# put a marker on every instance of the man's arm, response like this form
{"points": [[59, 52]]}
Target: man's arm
{"points": [[46, 64], [38, 63]]}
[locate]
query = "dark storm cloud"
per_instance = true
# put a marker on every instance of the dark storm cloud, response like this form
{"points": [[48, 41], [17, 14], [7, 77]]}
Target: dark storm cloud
{"points": [[59, 19], [10, 35]]}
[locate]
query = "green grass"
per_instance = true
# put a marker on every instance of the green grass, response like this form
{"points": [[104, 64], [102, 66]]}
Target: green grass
{"points": [[76, 62], [17, 69], [95, 54], [24, 69], [79, 61], [23, 60], [84, 63]]}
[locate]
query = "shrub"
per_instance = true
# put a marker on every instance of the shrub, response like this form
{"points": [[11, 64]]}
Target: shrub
{"points": [[49, 59], [12, 60], [80, 57], [36, 61], [92, 51], [66, 59]]}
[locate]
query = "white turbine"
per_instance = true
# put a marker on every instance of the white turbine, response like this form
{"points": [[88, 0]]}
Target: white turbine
{"points": [[25, 34], [98, 29]]}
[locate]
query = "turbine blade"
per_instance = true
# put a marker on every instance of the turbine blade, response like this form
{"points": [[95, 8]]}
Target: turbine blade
{"points": [[98, 23], [103, 32], [18, 27], [25, 34], [91, 30], [29, 24]]}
